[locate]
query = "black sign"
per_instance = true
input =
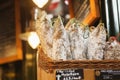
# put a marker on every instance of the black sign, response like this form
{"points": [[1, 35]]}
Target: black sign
{"points": [[107, 74], [69, 74]]}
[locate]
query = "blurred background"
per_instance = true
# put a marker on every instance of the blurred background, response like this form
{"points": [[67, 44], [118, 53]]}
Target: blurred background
{"points": [[17, 20]]}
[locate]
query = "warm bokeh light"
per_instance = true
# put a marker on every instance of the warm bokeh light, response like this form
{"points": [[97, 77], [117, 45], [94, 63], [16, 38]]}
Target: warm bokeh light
{"points": [[40, 3], [33, 40]]}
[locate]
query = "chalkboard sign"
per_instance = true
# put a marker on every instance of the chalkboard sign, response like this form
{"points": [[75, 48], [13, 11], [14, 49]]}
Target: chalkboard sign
{"points": [[107, 74], [10, 43], [82, 10], [86, 11], [7, 31], [69, 74]]}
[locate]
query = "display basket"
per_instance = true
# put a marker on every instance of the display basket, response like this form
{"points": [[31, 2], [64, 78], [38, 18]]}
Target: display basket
{"points": [[48, 64]]}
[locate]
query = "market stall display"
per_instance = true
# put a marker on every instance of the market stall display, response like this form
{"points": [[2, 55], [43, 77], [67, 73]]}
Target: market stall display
{"points": [[75, 46]]}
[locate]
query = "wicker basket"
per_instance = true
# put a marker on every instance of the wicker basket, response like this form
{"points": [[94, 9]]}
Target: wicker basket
{"points": [[47, 64]]}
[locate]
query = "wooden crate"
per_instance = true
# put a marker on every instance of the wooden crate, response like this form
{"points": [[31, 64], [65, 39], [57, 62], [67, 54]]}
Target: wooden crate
{"points": [[47, 67]]}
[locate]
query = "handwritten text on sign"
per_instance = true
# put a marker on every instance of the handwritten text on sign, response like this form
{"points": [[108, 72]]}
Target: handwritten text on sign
{"points": [[107, 74], [69, 74]]}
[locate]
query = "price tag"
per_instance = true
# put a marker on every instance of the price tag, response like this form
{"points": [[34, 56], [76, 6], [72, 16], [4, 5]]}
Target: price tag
{"points": [[69, 74], [107, 74]]}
